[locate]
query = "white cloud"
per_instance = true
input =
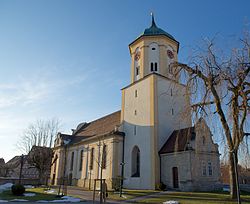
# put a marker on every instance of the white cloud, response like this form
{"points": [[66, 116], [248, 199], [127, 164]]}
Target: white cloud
{"points": [[29, 91]]}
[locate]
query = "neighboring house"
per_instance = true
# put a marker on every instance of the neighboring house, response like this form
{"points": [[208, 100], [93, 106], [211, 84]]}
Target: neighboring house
{"points": [[29, 170], [2, 167], [244, 174], [190, 159], [151, 140], [13, 168]]}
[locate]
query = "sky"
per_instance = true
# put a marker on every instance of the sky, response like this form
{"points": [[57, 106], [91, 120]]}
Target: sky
{"points": [[69, 59]]}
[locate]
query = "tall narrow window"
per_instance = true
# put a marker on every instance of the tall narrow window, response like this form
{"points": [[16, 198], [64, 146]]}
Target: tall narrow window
{"points": [[135, 112], [135, 130], [171, 92], [155, 66], [135, 162], [104, 157], [152, 66], [135, 93], [91, 159], [81, 160], [204, 169], [172, 111], [203, 140], [137, 72], [72, 161], [210, 170]]}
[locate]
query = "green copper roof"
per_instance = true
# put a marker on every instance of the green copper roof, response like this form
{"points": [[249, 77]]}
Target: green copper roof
{"points": [[154, 30]]}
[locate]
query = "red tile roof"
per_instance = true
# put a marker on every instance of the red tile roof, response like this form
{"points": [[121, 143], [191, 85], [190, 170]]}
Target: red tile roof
{"points": [[178, 140], [100, 126]]}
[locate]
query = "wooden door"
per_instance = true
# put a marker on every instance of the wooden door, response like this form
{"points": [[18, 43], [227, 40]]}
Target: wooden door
{"points": [[175, 177]]}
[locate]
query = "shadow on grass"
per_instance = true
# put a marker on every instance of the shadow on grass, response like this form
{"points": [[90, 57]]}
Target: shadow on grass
{"points": [[7, 195]]}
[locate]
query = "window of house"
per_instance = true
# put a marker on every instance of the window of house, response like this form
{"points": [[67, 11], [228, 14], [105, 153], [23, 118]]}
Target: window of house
{"points": [[210, 170], [91, 159], [203, 140], [72, 161], [204, 169], [135, 162], [136, 93], [81, 160], [104, 157]]}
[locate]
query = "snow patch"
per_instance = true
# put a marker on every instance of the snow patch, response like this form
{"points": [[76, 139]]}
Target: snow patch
{"points": [[50, 191], [29, 186], [65, 199], [171, 202], [29, 194], [4, 201], [19, 200], [5, 187]]}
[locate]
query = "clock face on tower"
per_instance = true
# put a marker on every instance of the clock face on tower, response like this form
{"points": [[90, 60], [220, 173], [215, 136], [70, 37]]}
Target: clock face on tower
{"points": [[170, 54], [137, 56]]}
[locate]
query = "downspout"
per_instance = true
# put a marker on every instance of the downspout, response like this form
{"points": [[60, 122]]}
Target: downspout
{"points": [[122, 166], [160, 167]]}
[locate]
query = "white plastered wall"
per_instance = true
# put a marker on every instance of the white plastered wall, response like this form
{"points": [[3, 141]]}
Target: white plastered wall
{"points": [[143, 135], [173, 108]]}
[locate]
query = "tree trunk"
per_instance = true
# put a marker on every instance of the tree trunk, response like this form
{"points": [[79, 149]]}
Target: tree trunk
{"points": [[233, 187]]}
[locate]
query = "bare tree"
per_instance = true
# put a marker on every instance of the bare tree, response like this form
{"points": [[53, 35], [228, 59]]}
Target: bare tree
{"points": [[41, 157], [39, 133], [220, 84]]}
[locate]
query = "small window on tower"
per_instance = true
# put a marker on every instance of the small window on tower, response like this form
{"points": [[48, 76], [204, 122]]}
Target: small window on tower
{"points": [[153, 48], [135, 93], [171, 92], [135, 130], [155, 66], [137, 71], [135, 112], [152, 66], [172, 111]]}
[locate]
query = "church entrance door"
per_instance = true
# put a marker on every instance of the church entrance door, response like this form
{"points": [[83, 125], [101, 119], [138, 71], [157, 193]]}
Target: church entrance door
{"points": [[175, 177]]}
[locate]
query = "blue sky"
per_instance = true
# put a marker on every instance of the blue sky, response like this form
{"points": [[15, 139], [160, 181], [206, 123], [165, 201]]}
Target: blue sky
{"points": [[69, 59]]}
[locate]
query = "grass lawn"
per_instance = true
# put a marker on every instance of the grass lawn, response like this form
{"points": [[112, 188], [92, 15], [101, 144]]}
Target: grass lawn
{"points": [[40, 195], [196, 198]]}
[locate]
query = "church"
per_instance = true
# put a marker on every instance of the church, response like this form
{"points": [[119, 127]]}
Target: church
{"points": [[151, 140]]}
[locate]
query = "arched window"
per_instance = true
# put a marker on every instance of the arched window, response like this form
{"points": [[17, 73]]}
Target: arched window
{"points": [[104, 157], [135, 162], [137, 63], [81, 160], [91, 159], [72, 161]]}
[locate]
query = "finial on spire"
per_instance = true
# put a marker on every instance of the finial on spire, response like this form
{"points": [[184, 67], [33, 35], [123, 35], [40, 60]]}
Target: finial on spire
{"points": [[153, 19]]}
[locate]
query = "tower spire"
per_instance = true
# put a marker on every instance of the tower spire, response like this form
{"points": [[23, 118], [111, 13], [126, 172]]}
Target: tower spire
{"points": [[153, 19]]}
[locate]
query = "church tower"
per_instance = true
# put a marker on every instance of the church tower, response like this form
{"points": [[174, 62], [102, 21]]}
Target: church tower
{"points": [[154, 104]]}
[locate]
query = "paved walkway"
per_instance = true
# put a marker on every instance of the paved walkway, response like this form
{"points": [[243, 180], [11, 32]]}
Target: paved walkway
{"points": [[87, 196]]}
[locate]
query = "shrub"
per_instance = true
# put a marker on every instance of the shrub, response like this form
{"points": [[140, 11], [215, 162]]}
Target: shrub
{"points": [[18, 189], [161, 186]]}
